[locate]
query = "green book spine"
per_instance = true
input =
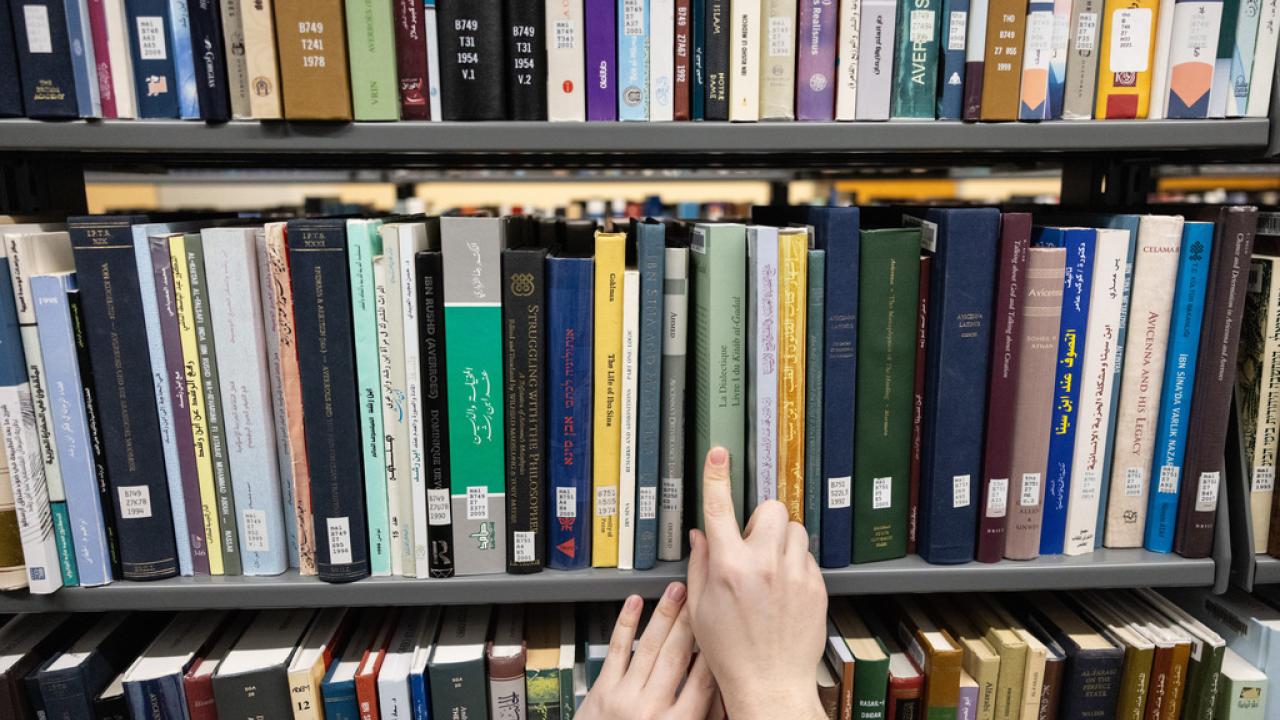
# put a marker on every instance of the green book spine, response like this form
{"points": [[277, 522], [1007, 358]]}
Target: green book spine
{"points": [[566, 694], [888, 294], [375, 88], [472, 255], [364, 242], [813, 360], [62, 538], [915, 78], [719, 255], [229, 542], [870, 688], [542, 693], [1202, 694]]}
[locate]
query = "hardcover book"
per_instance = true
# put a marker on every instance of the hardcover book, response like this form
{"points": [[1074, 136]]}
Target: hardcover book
{"points": [[11, 84], [312, 658], [472, 70], [915, 79], [762, 476], [793, 261], [1058, 46], [1221, 87], [716, 32], [633, 59], [154, 680], [70, 681], [111, 51], [311, 40], [651, 262], [744, 61], [414, 633], [606, 443], [1033, 103], [1082, 61], [1125, 59], [778, 60], [83, 64], [457, 668], [184, 60], [566, 68], [975, 49], [371, 53], [394, 410], [210, 64], [1257, 396], [816, 75], [697, 58], [628, 388], [411, 59], [237, 72], [1002, 62], [1165, 12], [682, 78], [44, 59], [870, 660], [952, 35], [848, 59], [875, 59], [675, 366], [338, 691], [1190, 74], [253, 679], [261, 60], [660, 50], [505, 656], [1264, 61], [814, 481], [436, 472], [526, 36], [1243, 695], [434, 93], [601, 46]]}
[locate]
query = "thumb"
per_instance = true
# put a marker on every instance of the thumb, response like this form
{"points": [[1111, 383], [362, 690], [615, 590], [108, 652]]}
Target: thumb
{"points": [[698, 561]]}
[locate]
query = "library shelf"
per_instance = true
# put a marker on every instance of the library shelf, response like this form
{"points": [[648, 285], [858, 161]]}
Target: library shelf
{"points": [[1266, 570], [1105, 568]]}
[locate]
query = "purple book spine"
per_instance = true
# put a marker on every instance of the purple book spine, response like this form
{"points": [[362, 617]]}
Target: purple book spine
{"points": [[169, 334], [602, 60], [967, 707], [816, 72]]}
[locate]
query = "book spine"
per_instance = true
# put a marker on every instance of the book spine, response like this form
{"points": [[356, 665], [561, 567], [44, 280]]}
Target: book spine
{"points": [[44, 59], [472, 70], [1195, 28], [915, 78], [395, 451], [524, 311], [1151, 303], [660, 51], [651, 258], [682, 80], [975, 47], [917, 404], [1033, 102], [411, 59], [1058, 46], [816, 62], [566, 66], [675, 343], [875, 53], [83, 65], [322, 303], [1242, 57], [717, 33], [1001, 76], [1211, 401], [629, 386], [1258, 393], [371, 53], [232, 40], [744, 61], [435, 535], [261, 59], [814, 344], [11, 84], [184, 60], [569, 329], [792, 308], [1082, 61], [633, 60], [606, 440], [435, 96], [952, 34], [313, 64], [778, 60], [107, 274], [1124, 72], [1264, 61], [1221, 84], [472, 249], [697, 60], [848, 59], [1157, 106], [602, 60], [1179, 377], [526, 37], [210, 66], [1015, 236], [96, 19], [762, 360], [1128, 224]]}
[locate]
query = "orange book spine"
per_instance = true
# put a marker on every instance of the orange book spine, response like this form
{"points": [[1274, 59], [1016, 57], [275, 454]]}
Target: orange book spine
{"points": [[793, 259]]}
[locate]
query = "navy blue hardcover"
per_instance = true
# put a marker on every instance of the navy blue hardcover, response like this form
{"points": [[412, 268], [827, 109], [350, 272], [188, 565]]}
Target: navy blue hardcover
{"points": [[326, 366], [210, 61], [698, 61], [154, 79], [716, 62], [958, 331], [10, 82], [44, 59], [651, 252], [952, 46], [69, 692], [112, 304]]}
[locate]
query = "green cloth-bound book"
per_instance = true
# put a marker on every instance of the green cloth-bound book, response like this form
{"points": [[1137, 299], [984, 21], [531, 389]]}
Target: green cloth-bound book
{"points": [[814, 347], [915, 67], [888, 288], [375, 86]]}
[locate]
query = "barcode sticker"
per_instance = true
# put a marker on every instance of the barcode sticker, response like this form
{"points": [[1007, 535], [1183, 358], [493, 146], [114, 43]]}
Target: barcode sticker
{"points": [[563, 37], [997, 497], [1030, 495], [438, 506], [672, 494], [838, 492], [522, 546], [1130, 40], [135, 501], [567, 502], [633, 18], [606, 501], [339, 540], [477, 502], [922, 26], [1134, 482], [39, 39], [151, 42], [956, 30], [1264, 478], [1207, 497], [1168, 484], [1086, 31], [881, 492], [255, 531], [779, 36], [960, 491], [648, 503], [1089, 485]]}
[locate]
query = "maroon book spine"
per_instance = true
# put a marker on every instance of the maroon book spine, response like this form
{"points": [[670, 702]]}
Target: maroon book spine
{"points": [[199, 692], [1215, 379], [1015, 239], [684, 45], [973, 72], [411, 60], [917, 407], [98, 28]]}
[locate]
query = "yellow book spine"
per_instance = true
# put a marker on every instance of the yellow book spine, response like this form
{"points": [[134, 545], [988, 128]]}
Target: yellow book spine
{"points": [[1124, 66], [793, 261], [304, 690], [610, 263], [195, 402]]}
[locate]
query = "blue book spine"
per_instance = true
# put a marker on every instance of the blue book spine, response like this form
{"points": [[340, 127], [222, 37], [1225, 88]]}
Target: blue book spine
{"points": [[67, 693], [209, 61], [651, 254], [44, 59], [1077, 284], [156, 698], [633, 60], [153, 67], [951, 95], [697, 61], [10, 82], [339, 699], [569, 327], [958, 343], [1130, 223], [184, 60], [421, 699], [1179, 382], [83, 65], [75, 452]]}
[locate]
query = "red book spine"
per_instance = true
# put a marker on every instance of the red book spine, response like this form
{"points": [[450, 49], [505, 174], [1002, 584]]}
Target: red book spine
{"points": [[367, 693], [904, 698], [1015, 239], [411, 59], [684, 46], [199, 692], [917, 409], [98, 27]]}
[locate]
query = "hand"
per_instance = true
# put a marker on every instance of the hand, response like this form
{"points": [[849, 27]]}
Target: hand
{"points": [[757, 604], [644, 687]]}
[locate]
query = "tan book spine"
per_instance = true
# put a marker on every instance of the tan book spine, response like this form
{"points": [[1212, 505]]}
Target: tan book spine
{"points": [[261, 63], [1029, 446], [313, 59], [1258, 389], [942, 673], [1176, 682], [13, 569], [1033, 676], [1002, 66], [1013, 658], [304, 691], [792, 279]]}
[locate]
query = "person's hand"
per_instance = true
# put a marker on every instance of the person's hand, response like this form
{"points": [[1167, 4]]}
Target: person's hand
{"points": [[757, 603], [647, 686]]}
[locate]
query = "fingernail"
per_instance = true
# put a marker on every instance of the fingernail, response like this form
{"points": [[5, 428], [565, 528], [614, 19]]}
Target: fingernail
{"points": [[675, 592], [693, 538], [632, 604], [718, 456]]}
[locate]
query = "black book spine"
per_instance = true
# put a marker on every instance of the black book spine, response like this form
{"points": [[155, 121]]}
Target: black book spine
{"points": [[524, 321], [429, 267], [326, 367], [111, 299], [44, 59], [10, 82], [1092, 683], [66, 693], [259, 694], [31, 683], [211, 65], [717, 60], [526, 60], [472, 70], [89, 389]]}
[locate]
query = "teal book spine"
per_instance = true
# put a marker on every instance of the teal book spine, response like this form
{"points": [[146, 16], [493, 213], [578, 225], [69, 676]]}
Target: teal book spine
{"points": [[364, 243], [915, 76], [813, 361]]}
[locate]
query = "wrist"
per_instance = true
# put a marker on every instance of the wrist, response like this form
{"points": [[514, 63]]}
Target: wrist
{"points": [[775, 704]]}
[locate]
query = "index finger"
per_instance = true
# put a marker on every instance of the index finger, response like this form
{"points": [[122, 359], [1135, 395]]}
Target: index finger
{"points": [[719, 517]]}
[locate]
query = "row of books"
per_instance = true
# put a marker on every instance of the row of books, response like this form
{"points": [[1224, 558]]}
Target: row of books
{"points": [[638, 60], [427, 396]]}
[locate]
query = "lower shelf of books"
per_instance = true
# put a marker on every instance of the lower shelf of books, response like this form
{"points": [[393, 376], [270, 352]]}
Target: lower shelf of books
{"points": [[1102, 569]]}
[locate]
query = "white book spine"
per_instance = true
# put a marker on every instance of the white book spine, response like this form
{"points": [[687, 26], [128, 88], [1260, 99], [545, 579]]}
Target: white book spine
{"points": [[121, 61], [778, 60], [394, 418], [1264, 66], [261, 62], [433, 61], [662, 60], [762, 330], [237, 64], [1096, 378], [566, 64], [1160, 62], [1155, 274], [875, 59], [413, 238], [394, 522], [744, 60], [1266, 428], [675, 343], [30, 496], [847, 63], [630, 387]]}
